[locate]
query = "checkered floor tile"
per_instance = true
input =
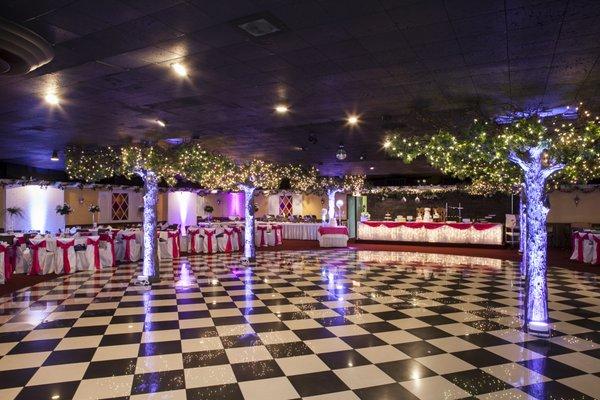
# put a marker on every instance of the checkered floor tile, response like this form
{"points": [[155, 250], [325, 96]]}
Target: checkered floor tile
{"points": [[332, 324]]}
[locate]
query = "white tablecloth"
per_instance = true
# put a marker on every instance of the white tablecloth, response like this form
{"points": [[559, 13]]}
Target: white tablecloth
{"points": [[300, 230], [442, 234]]}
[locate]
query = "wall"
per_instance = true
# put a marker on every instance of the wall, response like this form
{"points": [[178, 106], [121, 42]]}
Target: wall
{"points": [[564, 210], [39, 207], [182, 208], [80, 214], [473, 206]]}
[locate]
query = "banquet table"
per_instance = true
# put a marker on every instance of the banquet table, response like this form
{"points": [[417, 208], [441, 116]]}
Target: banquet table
{"points": [[586, 247], [300, 230], [333, 236], [432, 232]]}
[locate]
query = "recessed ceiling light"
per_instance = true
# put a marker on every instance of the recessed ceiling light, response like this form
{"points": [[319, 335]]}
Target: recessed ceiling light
{"points": [[371, 168], [281, 109], [179, 69], [54, 156], [52, 99], [160, 123], [352, 119]]}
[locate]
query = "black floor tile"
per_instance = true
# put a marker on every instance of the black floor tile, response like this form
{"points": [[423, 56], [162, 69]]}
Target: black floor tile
{"points": [[343, 359], [256, 370], [477, 382], [317, 383]]}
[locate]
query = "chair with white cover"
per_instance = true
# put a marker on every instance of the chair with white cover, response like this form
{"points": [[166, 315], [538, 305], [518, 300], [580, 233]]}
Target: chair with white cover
{"points": [[260, 239], [595, 256], [578, 239], [42, 260], [173, 243], [164, 251], [278, 233], [227, 241], [194, 241], [92, 252], [65, 259], [209, 240], [239, 236], [128, 250], [511, 229], [108, 256], [5, 264], [22, 255]]}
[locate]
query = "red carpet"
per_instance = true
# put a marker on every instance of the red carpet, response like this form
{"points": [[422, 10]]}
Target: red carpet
{"points": [[556, 258]]}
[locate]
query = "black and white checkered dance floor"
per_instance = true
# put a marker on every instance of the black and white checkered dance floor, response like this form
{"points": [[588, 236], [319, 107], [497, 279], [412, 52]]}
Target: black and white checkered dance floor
{"points": [[330, 324]]}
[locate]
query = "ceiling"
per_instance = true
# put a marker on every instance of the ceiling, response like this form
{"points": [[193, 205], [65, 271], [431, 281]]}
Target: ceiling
{"points": [[409, 64]]}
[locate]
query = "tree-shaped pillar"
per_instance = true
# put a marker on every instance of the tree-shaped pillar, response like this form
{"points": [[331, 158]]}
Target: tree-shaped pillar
{"points": [[536, 171], [150, 261], [249, 233], [331, 205]]}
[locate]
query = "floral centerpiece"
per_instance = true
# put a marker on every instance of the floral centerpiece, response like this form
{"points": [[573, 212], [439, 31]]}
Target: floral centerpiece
{"points": [[94, 209], [64, 209], [12, 213]]}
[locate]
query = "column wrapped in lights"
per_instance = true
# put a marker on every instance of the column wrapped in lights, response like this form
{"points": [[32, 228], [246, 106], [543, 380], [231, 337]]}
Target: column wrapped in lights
{"points": [[535, 153], [536, 263], [249, 243], [150, 263], [331, 206]]}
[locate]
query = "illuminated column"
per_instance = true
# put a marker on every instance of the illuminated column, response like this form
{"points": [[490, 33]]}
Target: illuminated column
{"points": [[536, 262], [523, 230], [331, 206], [150, 266], [249, 244]]}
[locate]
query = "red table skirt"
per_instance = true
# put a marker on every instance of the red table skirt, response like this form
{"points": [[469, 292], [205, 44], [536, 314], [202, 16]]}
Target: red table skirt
{"points": [[333, 230], [480, 226]]}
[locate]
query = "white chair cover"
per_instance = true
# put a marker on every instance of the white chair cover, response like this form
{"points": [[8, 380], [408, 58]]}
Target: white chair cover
{"points": [[261, 237], [92, 252], [22, 255], [209, 240], [64, 256], [578, 239], [278, 233], [128, 250], [42, 260], [5, 267], [108, 251], [227, 242], [194, 240]]}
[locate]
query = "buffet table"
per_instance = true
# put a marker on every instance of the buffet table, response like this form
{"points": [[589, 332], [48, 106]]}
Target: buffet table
{"points": [[300, 230], [432, 232]]}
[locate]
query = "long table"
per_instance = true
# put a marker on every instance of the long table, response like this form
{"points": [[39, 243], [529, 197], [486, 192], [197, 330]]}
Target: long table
{"points": [[432, 232]]}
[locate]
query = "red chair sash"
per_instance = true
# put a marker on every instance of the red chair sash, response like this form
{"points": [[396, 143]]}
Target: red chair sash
{"points": [[596, 240], [262, 230], [208, 236], [105, 237], [192, 237], [20, 240], [578, 239], [35, 258], [7, 264], [239, 232], [64, 246], [174, 235], [127, 238], [96, 245], [278, 229], [228, 246]]}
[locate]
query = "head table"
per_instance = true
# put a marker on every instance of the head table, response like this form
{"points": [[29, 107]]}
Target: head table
{"points": [[432, 232]]}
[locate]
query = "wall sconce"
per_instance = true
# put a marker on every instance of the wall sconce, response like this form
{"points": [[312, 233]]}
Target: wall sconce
{"points": [[576, 200]]}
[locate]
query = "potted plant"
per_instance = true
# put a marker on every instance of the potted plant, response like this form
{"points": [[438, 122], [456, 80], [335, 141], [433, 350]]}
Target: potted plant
{"points": [[12, 213], [65, 209], [208, 209], [94, 209]]}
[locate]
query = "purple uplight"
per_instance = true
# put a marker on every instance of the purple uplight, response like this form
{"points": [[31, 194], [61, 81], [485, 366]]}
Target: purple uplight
{"points": [[235, 204]]}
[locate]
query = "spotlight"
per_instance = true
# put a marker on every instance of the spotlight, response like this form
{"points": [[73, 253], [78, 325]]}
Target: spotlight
{"points": [[52, 99], [179, 69], [160, 123], [54, 156], [362, 157], [352, 120], [281, 109]]}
